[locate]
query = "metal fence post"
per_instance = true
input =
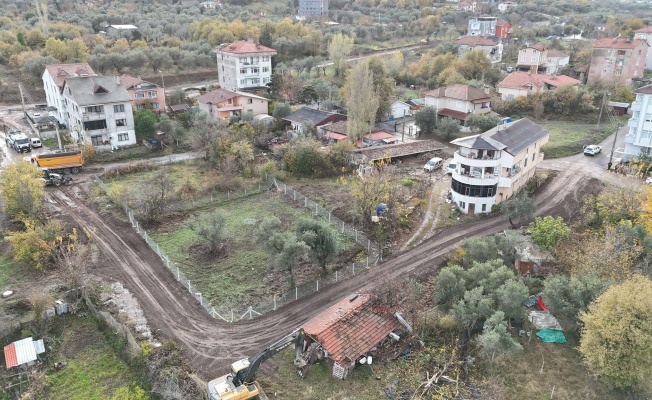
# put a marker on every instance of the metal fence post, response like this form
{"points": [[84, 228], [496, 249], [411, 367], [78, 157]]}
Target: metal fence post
{"points": [[317, 285], [356, 234], [329, 217], [353, 268], [296, 293], [285, 189], [228, 195], [178, 278], [295, 194], [274, 303], [342, 226], [367, 261], [201, 301], [335, 276], [305, 202], [259, 187], [368, 244]]}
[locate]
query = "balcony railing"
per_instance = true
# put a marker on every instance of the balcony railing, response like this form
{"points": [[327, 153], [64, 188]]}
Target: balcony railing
{"points": [[93, 116], [475, 156]]}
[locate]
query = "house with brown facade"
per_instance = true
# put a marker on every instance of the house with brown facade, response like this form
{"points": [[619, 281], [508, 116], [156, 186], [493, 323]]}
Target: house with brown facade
{"points": [[458, 101], [520, 83], [618, 58], [144, 94], [223, 104]]}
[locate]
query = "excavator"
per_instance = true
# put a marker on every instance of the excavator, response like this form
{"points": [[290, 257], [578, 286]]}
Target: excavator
{"points": [[427, 38], [241, 383]]}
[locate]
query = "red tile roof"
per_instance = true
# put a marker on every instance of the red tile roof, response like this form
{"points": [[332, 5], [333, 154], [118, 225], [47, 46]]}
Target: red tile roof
{"points": [[647, 29], [246, 47], [556, 53], [459, 92], [618, 43], [520, 79], [540, 47], [60, 72], [476, 41], [10, 356], [335, 136], [502, 22], [217, 96], [350, 328], [446, 112]]}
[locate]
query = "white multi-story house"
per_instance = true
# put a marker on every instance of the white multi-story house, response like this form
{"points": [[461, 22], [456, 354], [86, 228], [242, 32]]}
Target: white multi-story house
{"points": [[539, 58], [458, 101], [482, 26], [53, 77], [495, 165], [313, 8], [244, 64], [492, 47], [639, 138], [646, 34], [99, 111]]}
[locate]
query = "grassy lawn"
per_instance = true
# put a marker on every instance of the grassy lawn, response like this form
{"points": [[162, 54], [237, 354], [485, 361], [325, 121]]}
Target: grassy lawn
{"points": [[568, 138], [9, 272], [244, 275], [133, 153], [94, 370]]}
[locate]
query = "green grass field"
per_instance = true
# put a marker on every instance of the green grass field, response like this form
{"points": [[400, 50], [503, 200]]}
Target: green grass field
{"points": [[568, 138], [94, 370]]}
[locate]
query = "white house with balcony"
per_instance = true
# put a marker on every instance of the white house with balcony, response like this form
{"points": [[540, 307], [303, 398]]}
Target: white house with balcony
{"points": [[53, 77], [494, 165], [639, 138], [100, 111], [244, 64]]}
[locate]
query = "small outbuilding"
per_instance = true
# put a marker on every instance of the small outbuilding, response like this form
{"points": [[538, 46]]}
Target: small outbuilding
{"points": [[349, 329], [618, 108], [23, 352]]}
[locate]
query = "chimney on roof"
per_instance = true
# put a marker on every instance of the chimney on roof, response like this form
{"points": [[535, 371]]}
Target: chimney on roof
{"points": [[117, 80]]}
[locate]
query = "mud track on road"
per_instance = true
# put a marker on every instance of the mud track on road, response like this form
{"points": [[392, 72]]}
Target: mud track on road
{"points": [[211, 345]]}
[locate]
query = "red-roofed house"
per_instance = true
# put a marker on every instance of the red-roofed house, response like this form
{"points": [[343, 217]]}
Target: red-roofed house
{"points": [[223, 104], [646, 34], [349, 329], [244, 64], [539, 58], [493, 48], [53, 77], [520, 83], [458, 101], [618, 58], [466, 5], [142, 92]]}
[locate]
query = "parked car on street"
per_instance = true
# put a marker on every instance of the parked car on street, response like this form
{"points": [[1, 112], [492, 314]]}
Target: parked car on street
{"points": [[451, 167], [433, 164], [649, 180], [592, 150], [36, 142]]}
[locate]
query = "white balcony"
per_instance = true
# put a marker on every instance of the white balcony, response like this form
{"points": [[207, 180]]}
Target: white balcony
{"points": [[473, 160], [477, 179], [93, 116], [636, 106]]}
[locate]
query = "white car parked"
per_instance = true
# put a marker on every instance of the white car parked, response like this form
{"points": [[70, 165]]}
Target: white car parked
{"points": [[452, 166], [433, 164], [592, 150]]}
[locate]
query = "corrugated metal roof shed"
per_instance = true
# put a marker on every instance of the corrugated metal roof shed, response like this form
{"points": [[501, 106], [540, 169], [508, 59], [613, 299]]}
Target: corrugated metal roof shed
{"points": [[20, 352], [350, 328]]}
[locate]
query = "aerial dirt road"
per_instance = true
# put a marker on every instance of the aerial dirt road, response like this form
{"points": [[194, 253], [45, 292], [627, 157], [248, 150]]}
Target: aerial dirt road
{"points": [[211, 345]]}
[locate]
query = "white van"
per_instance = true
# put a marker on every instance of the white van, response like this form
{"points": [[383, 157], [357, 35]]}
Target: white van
{"points": [[36, 142], [451, 167], [433, 164]]}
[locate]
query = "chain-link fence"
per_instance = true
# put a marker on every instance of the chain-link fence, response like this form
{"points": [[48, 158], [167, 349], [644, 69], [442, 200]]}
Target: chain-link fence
{"points": [[230, 313]]}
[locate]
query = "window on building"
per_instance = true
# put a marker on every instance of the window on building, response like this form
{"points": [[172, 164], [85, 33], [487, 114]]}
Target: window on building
{"points": [[534, 59], [255, 70], [533, 156], [525, 165], [139, 95], [243, 60], [243, 70], [152, 94], [256, 59], [255, 81], [265, 80], [265, 69], [484, 207], [155, 106], [621, 52], [646, 134], [95, 109], [230, 101], [462, 205], [119, 108], [123, 137], [139, 106], [93, 125], [120, 122], [265, 58], [250, 101], [648, 117], [243, 82]]}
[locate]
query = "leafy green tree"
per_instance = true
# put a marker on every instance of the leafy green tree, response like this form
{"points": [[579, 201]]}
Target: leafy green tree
{"points": [[281, 110], [483, 122], [449, 127], [510, 298], [450, 285], [304, 157], [478, 250], [339, 48], [145, 123], [518, 209], [361, 101], [383, 86], [474, 307], [266, 228], [36, 244], [548, 231], [569, 296], [22, 190], [293, 250], [211, 228], [321, 239], [617, 333], [426, 119], [308, 95], [495, 338]]}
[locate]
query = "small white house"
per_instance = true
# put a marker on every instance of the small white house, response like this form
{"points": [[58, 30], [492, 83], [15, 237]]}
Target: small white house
{"points": [[399, 110]]}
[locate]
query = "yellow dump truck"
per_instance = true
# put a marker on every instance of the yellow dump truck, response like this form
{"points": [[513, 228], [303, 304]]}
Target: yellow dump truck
{"points": [[63, 163]]}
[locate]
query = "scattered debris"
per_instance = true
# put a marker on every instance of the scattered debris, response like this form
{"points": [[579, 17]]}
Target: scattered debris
{"points": [[7, 293]]}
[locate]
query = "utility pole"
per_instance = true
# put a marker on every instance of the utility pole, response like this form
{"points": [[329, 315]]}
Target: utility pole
{"points": [[56, 127], [22, 98], [613, 147], [604, 99]]}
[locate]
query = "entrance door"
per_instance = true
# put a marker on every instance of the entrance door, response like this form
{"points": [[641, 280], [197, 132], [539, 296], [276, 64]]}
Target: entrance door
{"points": [[471, 208]]}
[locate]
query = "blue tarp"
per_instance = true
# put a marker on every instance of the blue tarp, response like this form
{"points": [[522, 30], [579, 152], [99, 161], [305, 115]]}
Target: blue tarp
{"points": [[551, 336]]}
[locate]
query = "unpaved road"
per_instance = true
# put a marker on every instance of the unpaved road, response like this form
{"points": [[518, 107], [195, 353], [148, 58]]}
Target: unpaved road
{"points": [[211, 345]]}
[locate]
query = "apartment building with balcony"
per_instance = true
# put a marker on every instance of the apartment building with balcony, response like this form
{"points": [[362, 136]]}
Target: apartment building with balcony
{"points": [[645, 34], [495, 165], [53, 78], [482, 26], [144, 94], [618, 58], [99, 111], [244, 64], [313, 8], [538, 58], [639, 138]]}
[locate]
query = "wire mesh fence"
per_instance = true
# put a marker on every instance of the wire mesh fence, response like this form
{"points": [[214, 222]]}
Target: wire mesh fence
{"points": [[232, 313]]}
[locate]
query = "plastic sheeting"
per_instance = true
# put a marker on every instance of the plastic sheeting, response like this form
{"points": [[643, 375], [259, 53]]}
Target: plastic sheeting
{"points": [[551, 336]]}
